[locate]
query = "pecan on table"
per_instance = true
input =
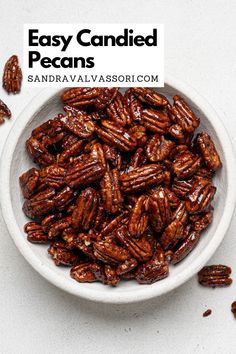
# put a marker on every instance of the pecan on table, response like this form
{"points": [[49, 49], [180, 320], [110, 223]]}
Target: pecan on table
{"points": [[233, 308], [215, 276], [12, 75], [4, 112]]}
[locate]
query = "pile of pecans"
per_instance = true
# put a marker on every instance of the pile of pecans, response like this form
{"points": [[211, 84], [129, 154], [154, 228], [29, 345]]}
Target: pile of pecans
{"points": [[122, 188]]}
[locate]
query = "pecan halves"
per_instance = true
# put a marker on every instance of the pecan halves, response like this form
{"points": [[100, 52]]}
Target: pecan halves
{"points": [[153, 270], [172, 235], [159, 209], [202, 220], [87, 272], [85, 210], [138, 220], [158, 148], [142, 178], [215, 276], [78, 122], [156, 121], [200, 196], [114, 224], [110, 276], [109, 252], [61, 255], [52, 176], [188, 244], [117, 111], [35, 233], [98, 97], [127, 266], [141, 249], [110, 191], [40, 204], [115, 135], [29, 181], [149, 96], [12, 75], [134, 105], [208, 151], [186, 164], [183, 115], [4, 112]]}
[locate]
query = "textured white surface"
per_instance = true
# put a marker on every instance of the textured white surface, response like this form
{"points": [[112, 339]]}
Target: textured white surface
{"points": [[38, 318]]}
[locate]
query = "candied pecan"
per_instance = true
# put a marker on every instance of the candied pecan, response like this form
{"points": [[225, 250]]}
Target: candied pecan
{"points": [[180, 213], [114, 224], [61, 255], [53, 176], [149, 96], [138, 220], [142, 177], [70, 236], [141, 249], [12, 75], [208, 151], [201, 221], [84, 173], [200, 196], [59, 226], [172, 235], [134, 105], [78, 122], [172, 198], [49, 220], [110, 275], [111, 154], [186, 164], [63, 198], [110, 191], [85, 211], [153, 270], [118, 111], [182, 114], [38, 152], [188, 244], [4, 112], [207, 313], [158, 148], [159, 209], [109, 252], [115, 135], [35, 233], [100, 220], [40, 204], [84, 242], [127, 266], [29, 181], [87, 272], [181, 187], [215, 276], [205, 173], [83, 97], [139, 133], [233, 308], [50, 129], [168, 256], [138, 159], [156, 121]]}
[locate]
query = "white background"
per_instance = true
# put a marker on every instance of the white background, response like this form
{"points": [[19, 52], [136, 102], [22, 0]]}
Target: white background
{"points": [[36, 317]]}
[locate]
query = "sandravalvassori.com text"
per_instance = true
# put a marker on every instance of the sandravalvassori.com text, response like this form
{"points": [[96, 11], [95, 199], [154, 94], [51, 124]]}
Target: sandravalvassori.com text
{"points": [[92, 78]]}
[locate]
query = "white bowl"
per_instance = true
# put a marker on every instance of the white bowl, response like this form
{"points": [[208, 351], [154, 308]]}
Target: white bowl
{"points": [[15, 161]]}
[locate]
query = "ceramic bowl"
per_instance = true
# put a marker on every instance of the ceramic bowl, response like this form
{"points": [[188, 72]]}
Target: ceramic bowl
{"points": [[15, 161]]}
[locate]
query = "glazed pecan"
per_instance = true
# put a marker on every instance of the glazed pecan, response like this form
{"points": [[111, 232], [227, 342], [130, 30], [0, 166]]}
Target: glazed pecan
{"points": [[112, 155], [38, 152], [200, 196], [159, 209], [115, 135], [182, 114], [85, 210], [186, 164], [138, 220], [109, 252], [180, 213], [156, 121], [138, 159], [202, 220], [114, 224], [127, 266], [110, 191], [52, 176], [172, 235], [181, 187], [110, 275], [208, 151], [141, 249], [188, 244], [29, 181], [4, 112], [78, 122], [64, 198], [149, 96], [61, 255], [158, 148], [59, 226], [142, 177], [139, 133], [35, 233], [133, 105], [70, 236], [118, 112], [153, 270], [99, 97], [40, 204], [215, 276], [12, 75], [87, 272]]}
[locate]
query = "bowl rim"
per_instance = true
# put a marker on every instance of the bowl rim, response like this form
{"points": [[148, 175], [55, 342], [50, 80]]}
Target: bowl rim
{"points": [[127, 296]]}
